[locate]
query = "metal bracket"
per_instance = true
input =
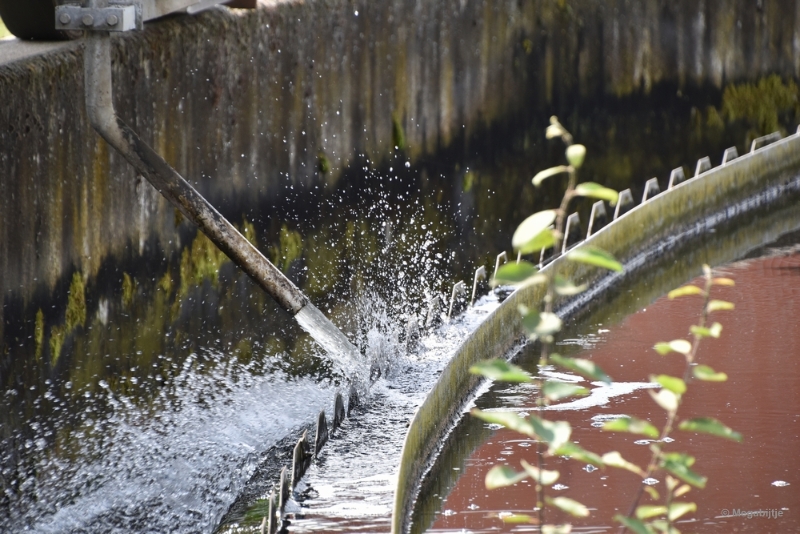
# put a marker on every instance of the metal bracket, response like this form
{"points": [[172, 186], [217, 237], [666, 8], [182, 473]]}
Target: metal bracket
{"points": [[115, 18]]}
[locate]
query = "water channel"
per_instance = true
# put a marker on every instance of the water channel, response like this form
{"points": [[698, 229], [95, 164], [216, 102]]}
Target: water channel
{"points": [[753, 486], [159, 396]]}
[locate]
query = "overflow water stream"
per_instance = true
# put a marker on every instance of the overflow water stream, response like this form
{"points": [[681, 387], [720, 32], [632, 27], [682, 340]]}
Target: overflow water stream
{"points": [[150, 398]]}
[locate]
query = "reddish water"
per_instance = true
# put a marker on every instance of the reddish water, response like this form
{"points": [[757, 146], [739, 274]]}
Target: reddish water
{"points": [[759, 350]]}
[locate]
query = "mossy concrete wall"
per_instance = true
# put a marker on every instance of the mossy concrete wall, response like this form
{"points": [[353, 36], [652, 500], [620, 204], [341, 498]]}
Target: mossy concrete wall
{"points": [[638, 239], [247, 104]]}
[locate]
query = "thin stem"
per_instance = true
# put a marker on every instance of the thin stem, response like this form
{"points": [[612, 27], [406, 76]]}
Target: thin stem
{"points": [[548, 307], [668, 502], [687, 375], [539, 486]]}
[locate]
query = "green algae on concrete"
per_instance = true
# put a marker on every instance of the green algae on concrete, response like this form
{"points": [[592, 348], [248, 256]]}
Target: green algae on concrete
{"points": [[128, 290], [38, 333], [762, 104], [74, 316], [243, 102], [290, 247]]}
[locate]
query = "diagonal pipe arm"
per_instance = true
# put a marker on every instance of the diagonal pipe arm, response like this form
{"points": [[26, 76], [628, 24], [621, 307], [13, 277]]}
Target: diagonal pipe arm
{"points": [[100, 109]]}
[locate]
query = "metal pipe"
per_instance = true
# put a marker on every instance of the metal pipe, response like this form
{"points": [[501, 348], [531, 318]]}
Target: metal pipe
{"points": [[100, 109]]}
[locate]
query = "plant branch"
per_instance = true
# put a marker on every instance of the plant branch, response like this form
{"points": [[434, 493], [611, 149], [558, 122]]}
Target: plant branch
{"points": [[672, 414]]}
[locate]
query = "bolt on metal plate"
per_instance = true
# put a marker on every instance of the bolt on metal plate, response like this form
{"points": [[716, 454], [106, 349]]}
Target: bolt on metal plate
{"points": [[109, 19]]}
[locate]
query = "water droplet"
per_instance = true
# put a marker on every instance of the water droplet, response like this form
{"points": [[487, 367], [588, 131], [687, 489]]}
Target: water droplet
{"points": [[780, 483], [560, 487], [408, 164], [473, 506], [448, 512], [590, 468], [650, 481]]}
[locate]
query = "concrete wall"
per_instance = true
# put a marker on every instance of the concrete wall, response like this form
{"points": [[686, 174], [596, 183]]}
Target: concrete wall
{"points": [[246, 103]]}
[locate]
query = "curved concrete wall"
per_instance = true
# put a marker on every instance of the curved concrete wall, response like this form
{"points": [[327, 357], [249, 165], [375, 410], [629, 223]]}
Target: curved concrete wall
{"points": [[637, 238], [244, 103]]}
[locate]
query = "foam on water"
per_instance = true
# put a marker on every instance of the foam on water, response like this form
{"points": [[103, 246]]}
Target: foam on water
{"points": [[173, 467], [352, 486]]}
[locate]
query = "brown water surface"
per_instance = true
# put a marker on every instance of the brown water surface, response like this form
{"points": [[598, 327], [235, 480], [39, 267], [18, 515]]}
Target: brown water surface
{"points": [[759, 350]]}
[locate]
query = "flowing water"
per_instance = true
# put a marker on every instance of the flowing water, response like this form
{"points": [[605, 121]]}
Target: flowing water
{"points": [[159, 394], [753, 486], [338, 349]]}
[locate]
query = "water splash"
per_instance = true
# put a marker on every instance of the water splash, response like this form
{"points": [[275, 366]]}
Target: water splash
{"points": [[340, 350], [173, 466]]}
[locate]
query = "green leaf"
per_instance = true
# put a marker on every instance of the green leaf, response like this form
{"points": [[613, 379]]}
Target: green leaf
{"points": [[720, 305], [678, 509], [684, 291], [549, 324], [723, 282], [680, 457], [615, 459], [676, 345], [534, 233], [652, 492], [568, 505], [500, 370], [554, 433], [632, 425], [556, 529], [554, 130], [595, 256], [579, 454], [518, 274], [554, 391], [541, 176], [646, 511], [683, 490], [585, 368], [566, 288], [575, 155], [679, 465], [541, 476], [635, 525], [666, 399], [509, 420], [539, 324], [515, 519], [501, 476], [593, 190], [714, 331], [672, 483], [709, 425], [704, 372], [675, 385]]}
